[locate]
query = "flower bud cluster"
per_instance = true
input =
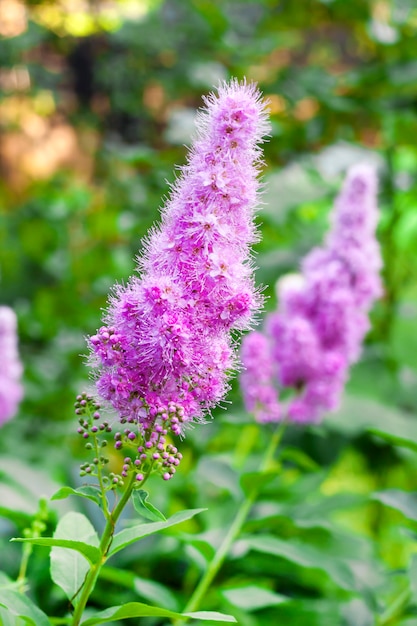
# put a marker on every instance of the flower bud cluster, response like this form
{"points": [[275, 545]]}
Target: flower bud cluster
{"points": [[154, 454], [90, 428]]}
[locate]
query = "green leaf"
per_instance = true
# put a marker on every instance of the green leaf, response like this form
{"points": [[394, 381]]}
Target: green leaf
{"points": [[130, 535], [91, 553], [86, 491], [211, 616], [137, 609], [407, 438], [144, 508], [413, 577], [150, 590], [252, 598], [299, 458], [403, 501], [252, 480], [6, 618], [363, 414], [305, 555], [21, 606], [68, 566], [5, 581]]}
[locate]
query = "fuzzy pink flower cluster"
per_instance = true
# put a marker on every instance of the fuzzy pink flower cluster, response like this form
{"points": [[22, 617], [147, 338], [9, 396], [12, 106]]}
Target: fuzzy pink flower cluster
{"points": [[11, 391], [323, 316], [166, 348]]}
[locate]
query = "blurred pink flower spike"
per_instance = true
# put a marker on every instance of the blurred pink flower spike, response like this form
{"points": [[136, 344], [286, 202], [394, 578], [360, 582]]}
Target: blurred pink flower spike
{"points": [[323, 316]]}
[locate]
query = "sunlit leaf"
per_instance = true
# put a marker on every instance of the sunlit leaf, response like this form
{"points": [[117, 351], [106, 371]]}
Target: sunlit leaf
{"points": [[85, 491], [404, 501], [137, 609], [304, 555], [91, 553], [19, 605], [151, 590], [68, 566], [130, 535], [145, 508], [252, 598]]}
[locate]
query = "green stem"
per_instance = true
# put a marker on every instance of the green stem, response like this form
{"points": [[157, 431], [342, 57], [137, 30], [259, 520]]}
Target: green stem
{"points": [[21, 579], [105, 543], [104, 501], [234, 530]]}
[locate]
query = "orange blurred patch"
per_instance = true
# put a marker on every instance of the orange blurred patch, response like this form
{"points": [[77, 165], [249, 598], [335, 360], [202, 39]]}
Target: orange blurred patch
{"points": [[305, 109], [13, 18], [154, 98], [370, 137], [43, 146], [279, 59], [277, 104]]}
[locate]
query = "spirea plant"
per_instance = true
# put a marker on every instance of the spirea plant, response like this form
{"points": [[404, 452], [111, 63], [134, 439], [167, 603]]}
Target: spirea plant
{"points": [[163, 358], [164, 355]]}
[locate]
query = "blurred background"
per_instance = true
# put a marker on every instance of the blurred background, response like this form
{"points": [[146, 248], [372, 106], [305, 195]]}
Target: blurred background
{"points": [[97, 101]]}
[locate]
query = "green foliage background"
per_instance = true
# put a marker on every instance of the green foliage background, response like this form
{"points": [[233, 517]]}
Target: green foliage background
{"points": [[97, 101]]}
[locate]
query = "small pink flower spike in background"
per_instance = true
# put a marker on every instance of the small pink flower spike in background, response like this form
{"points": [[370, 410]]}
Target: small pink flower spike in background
{"points": [[11, 391], [165, 352], [318, 330]]}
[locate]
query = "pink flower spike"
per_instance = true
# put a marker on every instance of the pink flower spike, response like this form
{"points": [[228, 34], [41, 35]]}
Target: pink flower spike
{"points": [[173, 323]]}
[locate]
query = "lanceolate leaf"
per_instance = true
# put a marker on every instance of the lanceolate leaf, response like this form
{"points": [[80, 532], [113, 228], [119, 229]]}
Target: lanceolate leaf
{"points": [[91, 553], [86, 491], [145, 508], [252, 597], [403, 501], [137, 609], [130, 535], [148, 590], [19, 605], [305, 555], [69, 567]]}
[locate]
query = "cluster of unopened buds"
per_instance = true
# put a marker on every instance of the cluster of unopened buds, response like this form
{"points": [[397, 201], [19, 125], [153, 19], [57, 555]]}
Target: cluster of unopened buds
{"points": [[154, 453], [107, 345], [87, 410]]}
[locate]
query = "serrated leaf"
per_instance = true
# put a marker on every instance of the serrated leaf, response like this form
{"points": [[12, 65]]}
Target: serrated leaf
{"points": [[130, 535], [21, 606], [252, 598], [403, 501], [144, 508], [69, 566], [85, 491], [137, 609]]}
